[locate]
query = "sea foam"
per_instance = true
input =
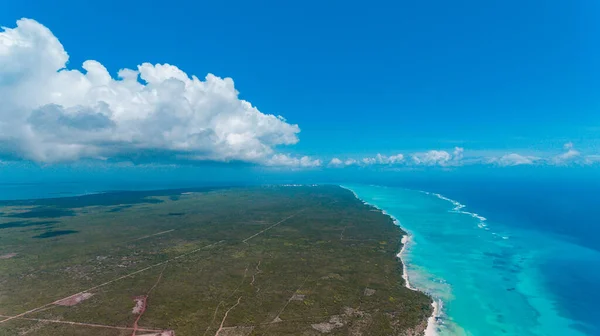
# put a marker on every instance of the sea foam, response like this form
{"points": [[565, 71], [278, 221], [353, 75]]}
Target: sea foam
{"points": [[458, 208], [433, 320]]}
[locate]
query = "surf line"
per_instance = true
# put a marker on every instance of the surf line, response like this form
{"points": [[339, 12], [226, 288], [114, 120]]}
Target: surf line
{"points": [[432, 321], [457, 206]]}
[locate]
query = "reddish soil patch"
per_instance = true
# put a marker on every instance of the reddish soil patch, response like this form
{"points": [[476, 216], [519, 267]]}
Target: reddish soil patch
{"points": [[8, 255], [139, 308], [75, 299], [140, 305]]}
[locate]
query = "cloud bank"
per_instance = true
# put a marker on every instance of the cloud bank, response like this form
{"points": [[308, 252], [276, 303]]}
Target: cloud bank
{"points": [[570, 156], [279, 160], [428, 158], [50, 113], [439, 157], [456, 158], [514, 159]]}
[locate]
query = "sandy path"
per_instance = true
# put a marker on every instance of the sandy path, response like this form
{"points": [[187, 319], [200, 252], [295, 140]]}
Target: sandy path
{"points": [[272, 226], [109, 282], [152, 235], [145, 302], [8, 318], [289, 300], [255, 273], [84, 324], [227, 313], [223, 302]]}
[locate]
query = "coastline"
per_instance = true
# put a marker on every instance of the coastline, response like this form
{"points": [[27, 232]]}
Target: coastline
{"points": [[431, 328]]}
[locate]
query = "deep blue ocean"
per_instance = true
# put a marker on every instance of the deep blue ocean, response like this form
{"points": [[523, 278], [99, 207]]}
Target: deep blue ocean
{"points": [[503, 256]]}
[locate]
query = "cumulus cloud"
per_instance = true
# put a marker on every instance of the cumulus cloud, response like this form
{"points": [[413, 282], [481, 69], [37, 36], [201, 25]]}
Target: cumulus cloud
{"points": [[458, 153], [569, 155], [429, 158], [350, 162], [455, 158], [392, 159], [438, 157], [284, 160], [383, 159], [591, 159], [514, 159], [395, 158], [368, 161], [336, 162], [50, 113], [378, 159]]}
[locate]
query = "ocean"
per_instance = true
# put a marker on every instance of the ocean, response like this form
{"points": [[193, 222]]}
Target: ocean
{"points": [[506, 259]]}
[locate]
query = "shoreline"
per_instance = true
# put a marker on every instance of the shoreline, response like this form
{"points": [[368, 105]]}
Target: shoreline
{"points": [[431, 328], [405, 239]]}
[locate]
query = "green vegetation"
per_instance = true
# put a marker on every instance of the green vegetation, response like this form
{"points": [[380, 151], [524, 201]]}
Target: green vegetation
{"points": [[254, 261]]}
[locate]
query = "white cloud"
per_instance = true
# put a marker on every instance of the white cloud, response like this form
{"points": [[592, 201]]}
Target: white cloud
{"points": [[284, 160], [569, 156], [395, 158], [439, 157], [458, 153], [392, 159], [50, 113], [432, 157], [368, 161], [514, 159], [591, 159], [336, 162], [383, 159]]}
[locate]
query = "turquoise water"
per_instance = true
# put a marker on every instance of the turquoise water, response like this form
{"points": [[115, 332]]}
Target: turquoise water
{"points": [[490, 278]]}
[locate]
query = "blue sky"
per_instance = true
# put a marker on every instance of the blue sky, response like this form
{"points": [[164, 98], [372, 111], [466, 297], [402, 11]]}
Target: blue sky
{"points": [[494, 78]]}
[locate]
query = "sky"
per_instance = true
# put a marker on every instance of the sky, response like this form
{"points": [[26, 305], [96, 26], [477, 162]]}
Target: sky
{"points": [[300, 85]]}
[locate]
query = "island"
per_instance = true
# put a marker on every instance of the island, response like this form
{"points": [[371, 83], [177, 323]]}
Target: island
{"points": [[260, 260]]}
